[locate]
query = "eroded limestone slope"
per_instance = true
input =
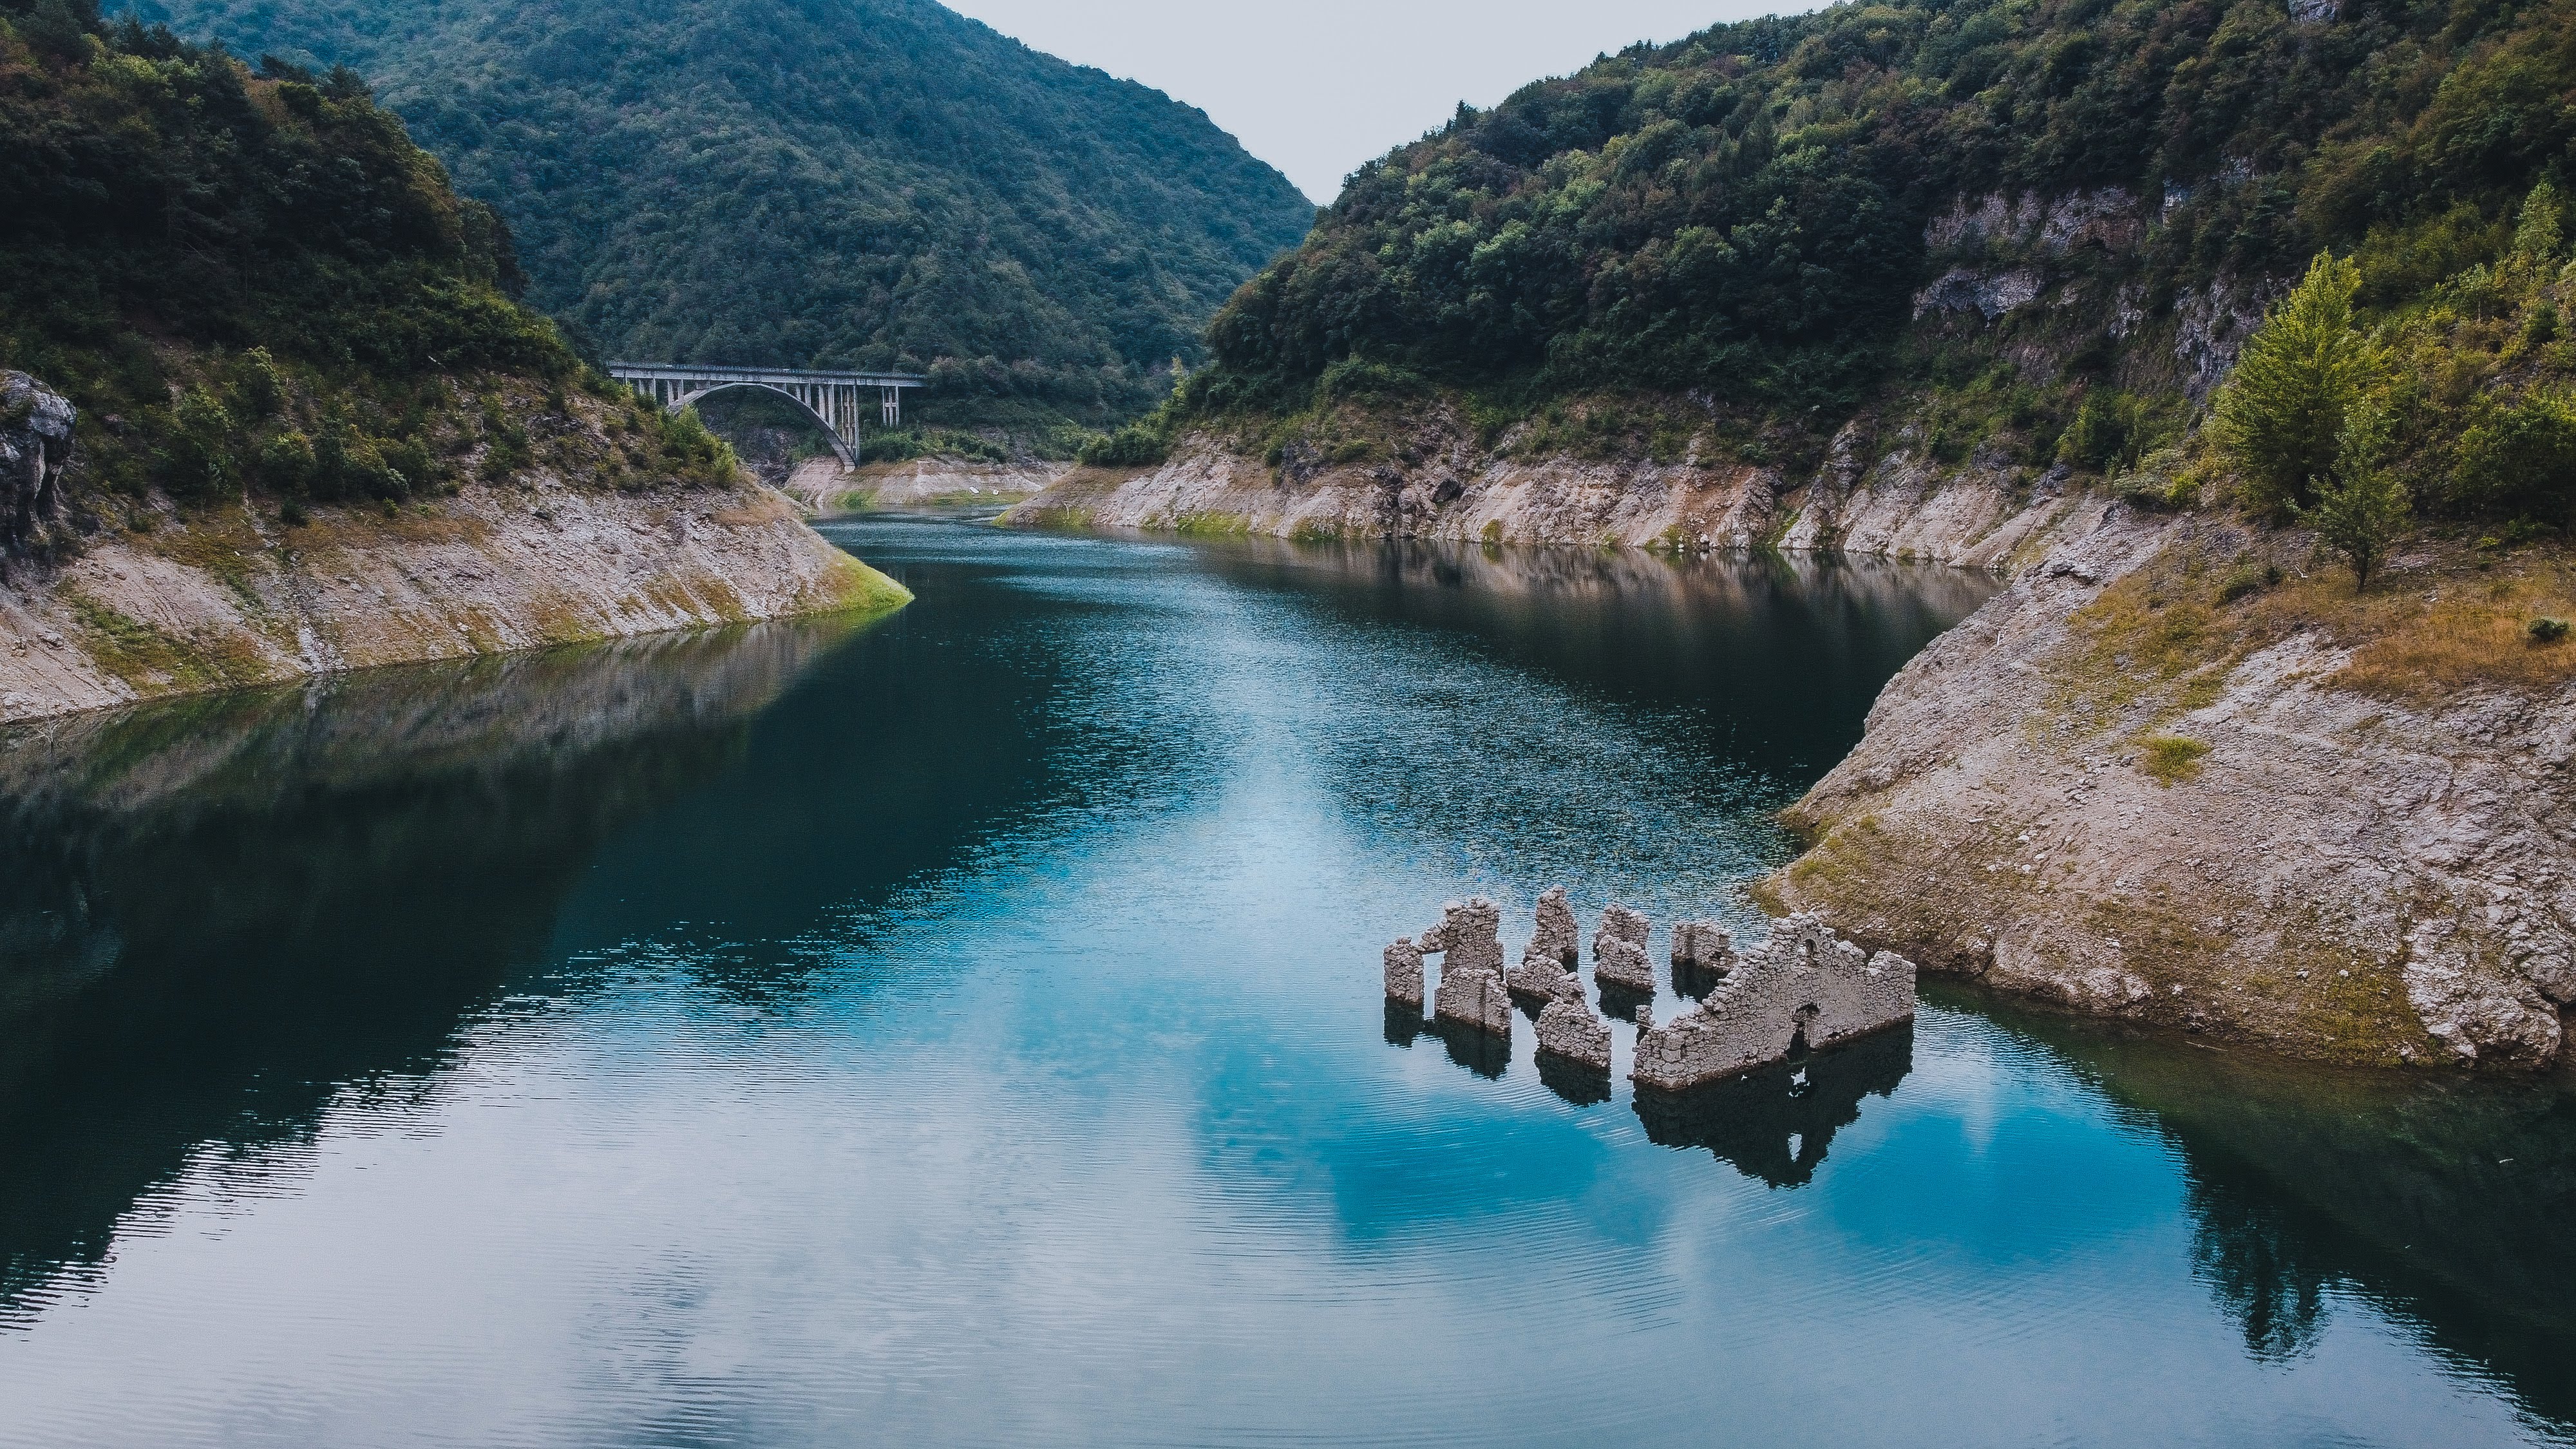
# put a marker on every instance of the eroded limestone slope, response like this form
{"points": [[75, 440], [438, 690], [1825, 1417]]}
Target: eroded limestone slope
{"points": [[2228, 834], [105, 601]]}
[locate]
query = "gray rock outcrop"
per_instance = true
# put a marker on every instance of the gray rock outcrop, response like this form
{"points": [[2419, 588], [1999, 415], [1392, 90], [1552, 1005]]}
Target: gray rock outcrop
{"points": [[35, 444], [1619, 950], [1802, 986], [1469, 943]]}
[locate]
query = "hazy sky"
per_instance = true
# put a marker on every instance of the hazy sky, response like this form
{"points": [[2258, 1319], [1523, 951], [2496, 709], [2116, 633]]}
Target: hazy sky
{"points": [[1318, 87]]}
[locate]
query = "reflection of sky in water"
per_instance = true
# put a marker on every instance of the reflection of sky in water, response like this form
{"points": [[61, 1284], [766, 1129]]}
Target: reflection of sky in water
{"points": [[987, 1047]]}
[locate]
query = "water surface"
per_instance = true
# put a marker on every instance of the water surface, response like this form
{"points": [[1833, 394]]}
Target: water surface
{"points": [[965, 1029]]}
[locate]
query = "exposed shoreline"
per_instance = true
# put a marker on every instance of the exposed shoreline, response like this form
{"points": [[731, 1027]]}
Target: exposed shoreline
{"points": [[2328, 872], [231, 597]]}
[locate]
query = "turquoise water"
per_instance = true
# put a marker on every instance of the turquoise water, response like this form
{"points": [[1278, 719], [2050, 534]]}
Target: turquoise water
{"points": [[966, 1029]]}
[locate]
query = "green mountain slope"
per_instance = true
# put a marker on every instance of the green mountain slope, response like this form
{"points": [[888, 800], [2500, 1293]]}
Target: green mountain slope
{"points": [[2036, 225], [837, 183], [254, 282]]}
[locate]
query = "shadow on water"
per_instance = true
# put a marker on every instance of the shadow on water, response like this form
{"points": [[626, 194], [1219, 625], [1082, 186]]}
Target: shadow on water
{"points": [[2444, 1199], [223, 910], [1781, 654], [1775, 1124], [1579, 1085]]}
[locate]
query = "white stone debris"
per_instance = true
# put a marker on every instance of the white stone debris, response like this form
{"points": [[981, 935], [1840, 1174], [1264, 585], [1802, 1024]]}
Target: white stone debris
{"points": [[1553, 952], [1619, 951], [1804, 984], [1404, 972], [1470, 945]]}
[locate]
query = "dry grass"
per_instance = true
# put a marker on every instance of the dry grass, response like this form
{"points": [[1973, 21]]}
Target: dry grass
{"points": [[2469, 636], [2161, 641]]}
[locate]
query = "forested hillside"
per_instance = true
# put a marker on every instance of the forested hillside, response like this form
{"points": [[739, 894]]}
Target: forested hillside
{"points": [[253, 281], [831, 183], [2038, 226]]}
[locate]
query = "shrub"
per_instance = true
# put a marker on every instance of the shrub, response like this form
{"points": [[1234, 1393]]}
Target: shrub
{"points": [[2109, 433], [2548, 631], [1137, 445], [2282, 415], [2249, 577], [286, 463], [2519, 461], [199, 458]]}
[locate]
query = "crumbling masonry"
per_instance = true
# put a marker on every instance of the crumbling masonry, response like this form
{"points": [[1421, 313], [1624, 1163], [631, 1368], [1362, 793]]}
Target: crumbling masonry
{"points": [[1470, 945], [1554, 952], [1804, 986], [1619, 950]]}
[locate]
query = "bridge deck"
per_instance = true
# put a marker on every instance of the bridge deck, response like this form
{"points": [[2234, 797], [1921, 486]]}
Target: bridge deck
{"points": [[833, 399], [758, 376]]}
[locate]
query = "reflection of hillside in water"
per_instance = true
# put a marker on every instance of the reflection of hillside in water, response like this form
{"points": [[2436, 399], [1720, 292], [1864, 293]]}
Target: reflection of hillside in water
{"points": [[222, 909], [1775, 639], [1775, 1124], [2445, 1199]]}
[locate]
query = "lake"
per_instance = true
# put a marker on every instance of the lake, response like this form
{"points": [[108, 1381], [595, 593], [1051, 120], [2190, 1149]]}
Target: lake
{"points": [[965, 1028]]}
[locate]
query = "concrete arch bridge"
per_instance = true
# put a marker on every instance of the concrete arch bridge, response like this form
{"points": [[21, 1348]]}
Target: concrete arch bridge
{"points": [[836, 401]]}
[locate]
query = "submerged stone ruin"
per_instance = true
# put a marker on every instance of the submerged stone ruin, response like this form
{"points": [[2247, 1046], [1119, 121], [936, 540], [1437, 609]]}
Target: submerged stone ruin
{"points": [[1703, 953], [1571, 1029], [1619, 950], [1553, 953], [1803, 987], [1404, 972], [1469, 943]]}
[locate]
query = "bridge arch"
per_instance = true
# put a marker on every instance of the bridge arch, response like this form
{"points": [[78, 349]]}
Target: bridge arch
{"points": [[836, 401], [849, 456]]}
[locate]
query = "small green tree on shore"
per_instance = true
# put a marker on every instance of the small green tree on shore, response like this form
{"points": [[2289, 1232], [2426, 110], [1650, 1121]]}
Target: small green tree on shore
{"points": [[2361, 507], [2283, 415]]}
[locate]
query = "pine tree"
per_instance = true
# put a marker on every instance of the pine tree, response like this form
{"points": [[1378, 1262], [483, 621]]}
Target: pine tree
{"points": [[2536, 232], [2362, 507], [2283, 414]]}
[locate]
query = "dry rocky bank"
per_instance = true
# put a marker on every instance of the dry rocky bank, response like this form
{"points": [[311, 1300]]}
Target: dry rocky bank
{"points": [[230, 595], [2303, 864]]}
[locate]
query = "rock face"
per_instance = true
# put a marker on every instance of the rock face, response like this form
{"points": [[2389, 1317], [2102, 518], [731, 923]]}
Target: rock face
{"points": [[35, 446], [1469, 943], [1619, 951], [1803, 986], [2350, 876]]}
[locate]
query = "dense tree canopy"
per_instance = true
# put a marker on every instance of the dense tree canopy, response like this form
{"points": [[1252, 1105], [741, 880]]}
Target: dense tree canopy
{"points": [[253, 280], [860, 183], [1745, 211]]}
